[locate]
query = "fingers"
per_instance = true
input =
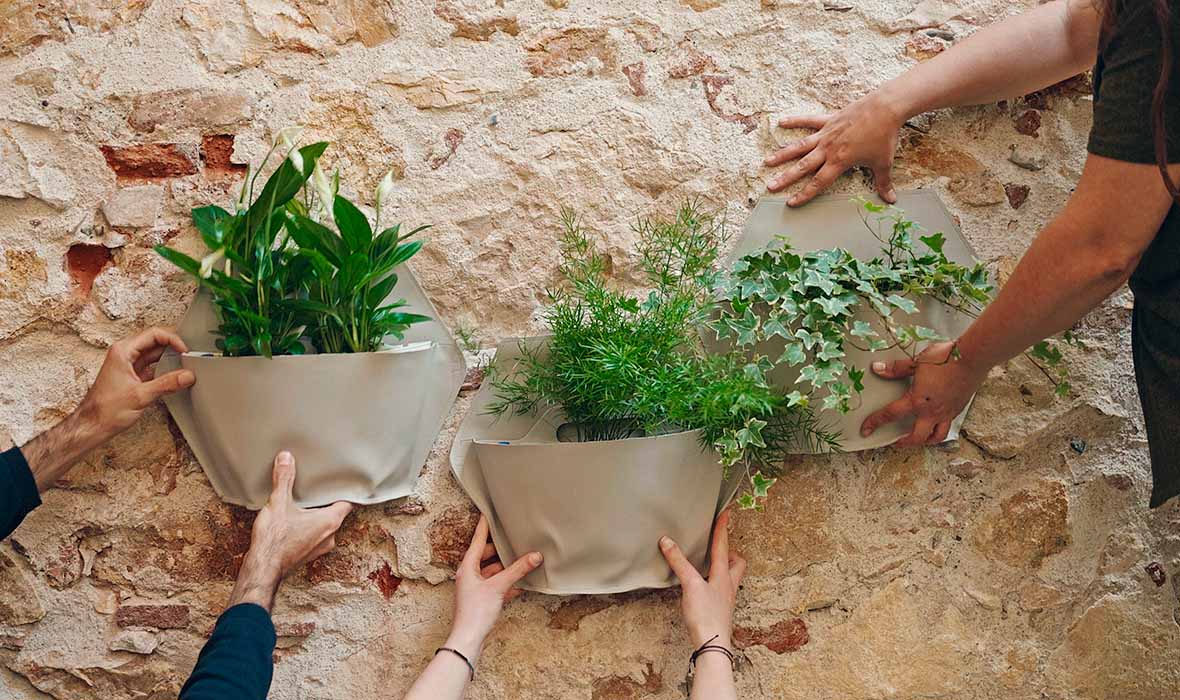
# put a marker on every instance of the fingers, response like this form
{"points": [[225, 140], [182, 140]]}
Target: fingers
{"points": [[940, 433], [145, 360], [792, 150], [337, 512], [520, 568], [883, 181], [153, 337], [809, 164], [804, 121], [681, 566], [820, 182], [283, 479], [719, 553], [166, 384], [894, 411], [489, 552], [894, 369], [737, 569], [479, 541], [921, 432], [491, 570]]}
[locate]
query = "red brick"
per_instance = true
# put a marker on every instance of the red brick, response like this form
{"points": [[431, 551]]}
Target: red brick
{"points": [[163, 616], [781, 637], [217, 152], [636, 76], [1017, 194], [386, 582], [84, 262], [1029, 122], [148, 161]]}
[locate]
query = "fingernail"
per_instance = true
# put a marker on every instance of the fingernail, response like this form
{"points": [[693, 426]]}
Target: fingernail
{"points": [[892, 193], [666, 543], [187, 378], [285, 459], [535, 559], [878, 366], [866, 431]]}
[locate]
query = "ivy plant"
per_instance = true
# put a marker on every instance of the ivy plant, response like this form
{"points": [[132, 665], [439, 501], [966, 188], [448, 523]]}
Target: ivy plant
{"points": [[816, 303], [623, 365]]}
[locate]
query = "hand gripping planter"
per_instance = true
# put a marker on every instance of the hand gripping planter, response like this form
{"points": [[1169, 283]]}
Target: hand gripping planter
{"points": [[834, 221], [595, 510], [360, 425]]}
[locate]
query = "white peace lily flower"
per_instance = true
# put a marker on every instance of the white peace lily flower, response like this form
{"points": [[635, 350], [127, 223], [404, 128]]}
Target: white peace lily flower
{"points": [[244, 195], [323, 189], [287, 139], [209, 261], [384, 188]]}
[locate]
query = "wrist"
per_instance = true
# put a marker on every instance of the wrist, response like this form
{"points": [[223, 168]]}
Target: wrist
{"points": [[893, 100], [715, 637], [257, 583], [87, 427], [468, 642], [970, 357]]}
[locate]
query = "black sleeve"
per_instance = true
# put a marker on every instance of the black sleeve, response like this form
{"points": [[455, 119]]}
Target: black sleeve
{"points": [[237, 661], [1125, 77], [18, 491]]}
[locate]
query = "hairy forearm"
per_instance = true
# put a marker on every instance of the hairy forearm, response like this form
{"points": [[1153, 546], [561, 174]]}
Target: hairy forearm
{"points": [[713, 678], [53, 452], [258, 581], [1013, 57], [1059, 279]]}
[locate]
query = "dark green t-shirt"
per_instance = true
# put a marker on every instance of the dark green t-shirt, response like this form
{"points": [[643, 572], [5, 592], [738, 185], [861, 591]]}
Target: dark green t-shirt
{"points": [[1125, 77]]}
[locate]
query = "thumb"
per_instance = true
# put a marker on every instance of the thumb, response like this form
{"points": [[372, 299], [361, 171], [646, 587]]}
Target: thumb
{"points": [[169, 383], [283, 478], [883, 179], [894, 369], [520, 568], [680, 564]]}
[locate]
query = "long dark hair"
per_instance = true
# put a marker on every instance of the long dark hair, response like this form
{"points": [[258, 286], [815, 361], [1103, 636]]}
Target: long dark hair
{"points": [[1163, 17]]}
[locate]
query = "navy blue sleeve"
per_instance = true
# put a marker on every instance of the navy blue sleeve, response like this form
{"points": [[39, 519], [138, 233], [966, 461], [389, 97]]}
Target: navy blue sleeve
{"points": [[238, 660], [18, 491]]}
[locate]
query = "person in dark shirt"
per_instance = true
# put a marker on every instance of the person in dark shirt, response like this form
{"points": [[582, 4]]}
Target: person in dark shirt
{"points": [[1122, 222], [125, 386]]}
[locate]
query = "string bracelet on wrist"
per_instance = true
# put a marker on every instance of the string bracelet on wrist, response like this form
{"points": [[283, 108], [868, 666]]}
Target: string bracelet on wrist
{"points": [[461, 655], [707, 647]]}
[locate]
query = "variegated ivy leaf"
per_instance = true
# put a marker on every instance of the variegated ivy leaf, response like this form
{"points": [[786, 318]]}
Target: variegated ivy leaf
{"points": [[751, 434], [902, 303], [924, 333], [812, 278], [761, 484], [861, 329], [747, 502], [878, 344], [796, 399], [793, 355], [810, 339], [774, 326], [830, 351], [834, 306]]}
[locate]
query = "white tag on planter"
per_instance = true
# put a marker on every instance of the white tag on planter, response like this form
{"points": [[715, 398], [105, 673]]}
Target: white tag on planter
{"points": [[835, 221], [359, 425], [595, 510]]}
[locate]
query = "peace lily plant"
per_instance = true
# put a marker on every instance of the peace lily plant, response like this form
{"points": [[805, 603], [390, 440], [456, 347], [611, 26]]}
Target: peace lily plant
{"points": [[286, 272]]}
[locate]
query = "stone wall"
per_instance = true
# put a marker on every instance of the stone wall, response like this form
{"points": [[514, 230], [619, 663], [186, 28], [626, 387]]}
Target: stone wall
{"points": [[1021, 562]]}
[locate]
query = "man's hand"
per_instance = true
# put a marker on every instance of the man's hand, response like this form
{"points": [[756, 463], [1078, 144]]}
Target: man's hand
{"points": [[284, 537], [863, 133], [708, 605], [127, 383], [482, 586], [125, 386], [942, 385]]}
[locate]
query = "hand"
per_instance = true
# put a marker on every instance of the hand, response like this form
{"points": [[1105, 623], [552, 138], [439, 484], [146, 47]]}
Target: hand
{"points": [[284, 537], [481, 589], [127, 383], [942, 386], [708, 605], [863, 133]]}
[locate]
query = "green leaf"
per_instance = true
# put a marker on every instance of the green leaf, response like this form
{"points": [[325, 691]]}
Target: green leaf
{"points": [[282, 185], [862, 329], [761, 485], [934, 242], [793, 355], [353, 224], [902, 303], [313, 236], [213, 223]]}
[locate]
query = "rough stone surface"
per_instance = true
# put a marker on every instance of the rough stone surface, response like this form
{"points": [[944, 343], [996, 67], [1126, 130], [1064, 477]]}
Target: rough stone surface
{"points": [[1019, 563]]}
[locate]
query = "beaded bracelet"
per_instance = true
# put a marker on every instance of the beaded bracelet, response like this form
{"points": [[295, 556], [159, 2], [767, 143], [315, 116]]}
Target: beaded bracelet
{"points": [[707, 647], [460, 654]]}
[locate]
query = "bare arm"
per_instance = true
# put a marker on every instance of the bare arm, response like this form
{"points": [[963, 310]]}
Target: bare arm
{"points": [[1082, 256], [125, 386], [1018, 55]]}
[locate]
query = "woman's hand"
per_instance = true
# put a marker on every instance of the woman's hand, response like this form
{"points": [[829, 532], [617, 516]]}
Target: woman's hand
{"points": [[708, 605], [863, 133], [942, 385], [482, 586]]}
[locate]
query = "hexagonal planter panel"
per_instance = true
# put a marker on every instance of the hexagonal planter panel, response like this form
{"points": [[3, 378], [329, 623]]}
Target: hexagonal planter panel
{"points": [[834, 221], [360, 425], [595, 510]]}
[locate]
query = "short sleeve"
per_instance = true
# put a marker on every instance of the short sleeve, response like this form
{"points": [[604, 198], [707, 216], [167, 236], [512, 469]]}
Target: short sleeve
{"points": [[1125, 78]]}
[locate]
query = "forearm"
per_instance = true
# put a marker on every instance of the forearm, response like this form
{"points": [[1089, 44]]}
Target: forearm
{"points": [[1059, 279], [713, 678], [53, 452], [447, 676], [1013, 57]]}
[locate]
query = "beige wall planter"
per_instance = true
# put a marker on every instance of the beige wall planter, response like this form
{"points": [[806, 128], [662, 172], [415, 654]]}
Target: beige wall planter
{"points": [[595, 510], [360, 425], [833, 221]]}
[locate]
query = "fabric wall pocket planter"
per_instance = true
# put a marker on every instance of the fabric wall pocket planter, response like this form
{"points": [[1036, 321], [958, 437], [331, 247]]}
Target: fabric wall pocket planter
{"points": [[360, 425], [595, 510], [839, 222]]}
